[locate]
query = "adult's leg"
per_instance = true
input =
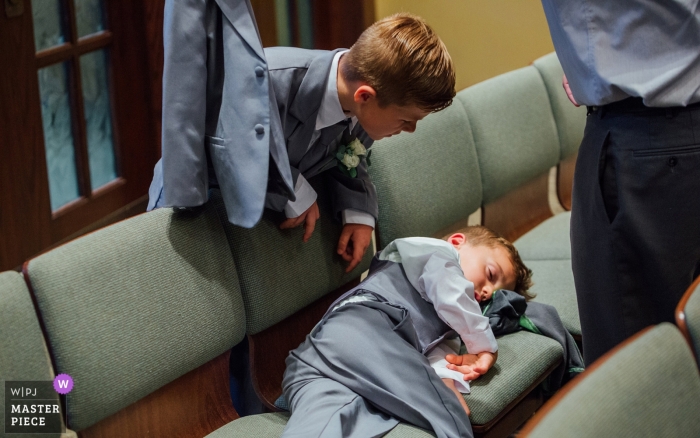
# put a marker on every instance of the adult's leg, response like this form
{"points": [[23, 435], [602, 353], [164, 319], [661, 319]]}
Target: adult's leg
{"points": [[371, 348], [634, 233]]}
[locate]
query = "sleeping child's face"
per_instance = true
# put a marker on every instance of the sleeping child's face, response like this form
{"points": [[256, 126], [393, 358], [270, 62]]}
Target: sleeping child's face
{"points": [[489, 268]]}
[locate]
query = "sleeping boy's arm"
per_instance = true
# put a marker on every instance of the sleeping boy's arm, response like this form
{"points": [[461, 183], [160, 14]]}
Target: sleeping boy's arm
{"points": [[452, 379], [452, 295], [451, 384]]}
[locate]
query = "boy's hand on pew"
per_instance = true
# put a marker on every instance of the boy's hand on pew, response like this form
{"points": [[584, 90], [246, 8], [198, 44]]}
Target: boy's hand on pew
{"points": [[308, 218], [353, 242], [471, 365]]}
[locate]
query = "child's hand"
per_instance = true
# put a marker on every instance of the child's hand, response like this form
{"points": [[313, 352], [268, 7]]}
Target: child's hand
{"points": [[310, 216], [471, 365], [353, 242]]}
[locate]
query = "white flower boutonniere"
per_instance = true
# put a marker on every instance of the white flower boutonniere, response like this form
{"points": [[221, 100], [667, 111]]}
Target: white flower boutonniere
{"points": [[349, 157]]}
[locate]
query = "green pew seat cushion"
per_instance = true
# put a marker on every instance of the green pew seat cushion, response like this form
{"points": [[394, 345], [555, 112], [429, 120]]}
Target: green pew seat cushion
{"points": [[522, 358], [548, 240], [554, 284]]}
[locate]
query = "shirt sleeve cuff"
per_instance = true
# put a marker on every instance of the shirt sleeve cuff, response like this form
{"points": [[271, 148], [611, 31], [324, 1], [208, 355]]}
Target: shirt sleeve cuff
{"points": [[437, 360], [351, 216], [480, 342], [305, 195]]}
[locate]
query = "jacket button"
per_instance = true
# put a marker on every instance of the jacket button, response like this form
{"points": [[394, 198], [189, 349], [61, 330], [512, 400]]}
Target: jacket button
{"points": [[259, 71], [259, 129], [672, 161]]}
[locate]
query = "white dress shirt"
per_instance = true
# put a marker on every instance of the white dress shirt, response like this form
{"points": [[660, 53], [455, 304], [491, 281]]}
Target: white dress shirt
{"points": [[329, 113]]}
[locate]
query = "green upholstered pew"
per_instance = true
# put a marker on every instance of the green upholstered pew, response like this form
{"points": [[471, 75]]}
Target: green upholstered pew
{"points": [[648, 386], [142, 315], [688, 317], [23, 355]]}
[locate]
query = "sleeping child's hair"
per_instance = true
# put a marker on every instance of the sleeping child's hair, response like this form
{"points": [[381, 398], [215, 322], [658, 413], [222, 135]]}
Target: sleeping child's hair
{"points": [[478, 235]]}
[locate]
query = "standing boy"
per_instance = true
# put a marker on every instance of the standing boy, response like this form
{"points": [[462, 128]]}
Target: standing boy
{"points": [[363, 368], [394, 75]]}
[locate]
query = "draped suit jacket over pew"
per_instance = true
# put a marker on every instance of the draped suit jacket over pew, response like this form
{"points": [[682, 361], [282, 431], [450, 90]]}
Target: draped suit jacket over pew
{"points": [[217, 95]]}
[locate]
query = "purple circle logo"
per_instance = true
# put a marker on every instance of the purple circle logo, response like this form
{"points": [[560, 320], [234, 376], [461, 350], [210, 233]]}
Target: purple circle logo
{"points": [[63, 383]]}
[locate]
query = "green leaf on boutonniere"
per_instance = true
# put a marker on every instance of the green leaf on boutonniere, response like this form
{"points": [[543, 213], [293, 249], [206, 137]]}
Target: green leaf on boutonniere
{"points": [[353, 172], [343, 169], [369, 154], [341, 152]]}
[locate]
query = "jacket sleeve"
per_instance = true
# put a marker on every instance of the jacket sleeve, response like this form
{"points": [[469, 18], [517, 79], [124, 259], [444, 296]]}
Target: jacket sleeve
{"points": [[185, 181]]}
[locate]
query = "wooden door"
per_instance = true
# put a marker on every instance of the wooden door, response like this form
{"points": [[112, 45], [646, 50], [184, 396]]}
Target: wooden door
{"points": [[77, 137]]}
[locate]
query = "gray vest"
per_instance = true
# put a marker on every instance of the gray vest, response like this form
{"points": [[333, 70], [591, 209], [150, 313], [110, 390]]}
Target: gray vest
{"points": [[388, 282]]}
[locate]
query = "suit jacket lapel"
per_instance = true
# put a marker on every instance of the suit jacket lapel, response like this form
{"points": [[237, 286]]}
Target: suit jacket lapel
{"points": [[240, 14], [323, 151]]}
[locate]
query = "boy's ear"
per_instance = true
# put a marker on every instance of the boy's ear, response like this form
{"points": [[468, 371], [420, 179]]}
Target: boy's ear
{"points": [[457, 239], [364, 93]]}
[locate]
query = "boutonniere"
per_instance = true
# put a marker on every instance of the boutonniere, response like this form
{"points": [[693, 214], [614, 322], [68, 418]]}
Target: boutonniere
{"points": [[350, 155]]}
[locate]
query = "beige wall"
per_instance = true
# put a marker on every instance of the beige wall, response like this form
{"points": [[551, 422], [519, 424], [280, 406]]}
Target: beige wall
{"points": [[484, 37]]}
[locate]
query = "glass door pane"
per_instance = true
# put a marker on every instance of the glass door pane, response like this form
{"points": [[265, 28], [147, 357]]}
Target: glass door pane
{"points": [[49, 28], [98, 120], [58, 134], [89, 17]]}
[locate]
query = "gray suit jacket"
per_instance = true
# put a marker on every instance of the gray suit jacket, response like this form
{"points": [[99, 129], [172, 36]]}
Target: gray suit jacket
{"points": [[299, 78], [218, 106]]}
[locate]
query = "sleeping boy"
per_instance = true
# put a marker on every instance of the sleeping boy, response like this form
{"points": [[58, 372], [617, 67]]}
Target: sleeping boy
{"points": [[363, 368]]}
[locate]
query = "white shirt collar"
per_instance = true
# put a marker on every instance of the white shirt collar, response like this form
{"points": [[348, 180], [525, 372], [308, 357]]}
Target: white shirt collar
{"points": [[330, 112]]}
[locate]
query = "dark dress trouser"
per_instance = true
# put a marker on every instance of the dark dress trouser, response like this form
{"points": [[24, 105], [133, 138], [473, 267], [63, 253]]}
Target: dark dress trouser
{"points": [[635, 219], [359, 372]]}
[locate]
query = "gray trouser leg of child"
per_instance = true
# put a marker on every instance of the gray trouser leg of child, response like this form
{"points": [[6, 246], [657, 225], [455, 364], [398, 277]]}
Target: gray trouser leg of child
{"points": [[369, 348], [325, 408]]}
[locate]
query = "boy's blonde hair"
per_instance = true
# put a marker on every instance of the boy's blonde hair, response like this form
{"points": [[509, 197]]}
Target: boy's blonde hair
{"points": [[478, 235], [405, 62]]}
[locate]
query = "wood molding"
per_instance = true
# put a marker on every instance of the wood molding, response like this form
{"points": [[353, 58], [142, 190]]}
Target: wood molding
{"points": [[519, 210], [681, 319], [563, 392], [565, 180], [193, 405], [270, 347]]}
